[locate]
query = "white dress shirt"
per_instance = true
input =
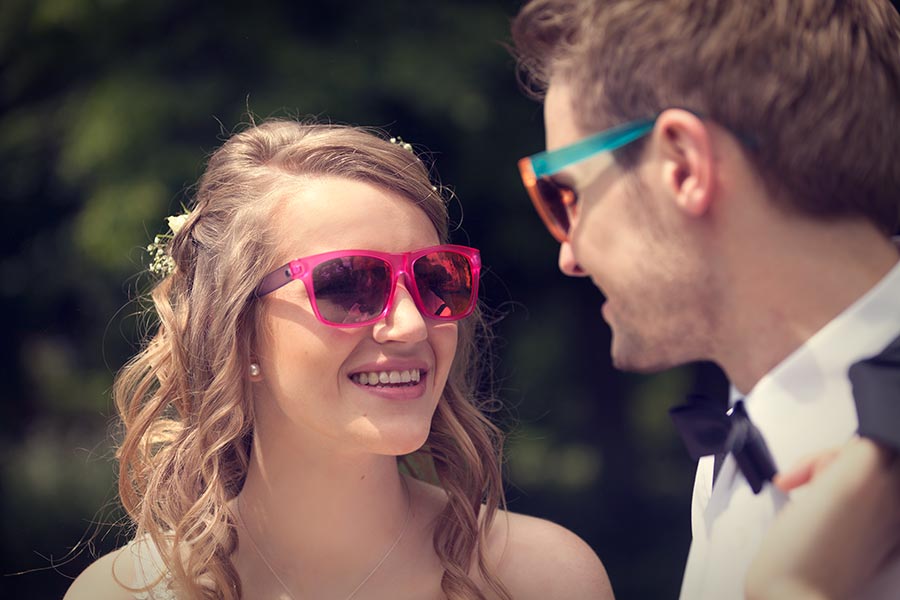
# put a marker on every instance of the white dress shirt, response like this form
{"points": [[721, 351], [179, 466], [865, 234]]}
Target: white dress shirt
{"points": [[802, 407]]}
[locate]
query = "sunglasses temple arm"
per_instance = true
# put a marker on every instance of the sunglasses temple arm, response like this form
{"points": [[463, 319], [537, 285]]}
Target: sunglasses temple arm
{"points": [[274, 280]]}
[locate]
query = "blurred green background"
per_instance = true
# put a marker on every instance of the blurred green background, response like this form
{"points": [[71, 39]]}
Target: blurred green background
{"points": [[108, 109]]}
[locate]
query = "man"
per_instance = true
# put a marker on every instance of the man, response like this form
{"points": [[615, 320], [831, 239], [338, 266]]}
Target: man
{"points": [[725, 172]]}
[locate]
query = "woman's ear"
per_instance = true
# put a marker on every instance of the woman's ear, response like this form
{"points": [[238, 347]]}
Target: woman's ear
{"points": [[688, 167]]}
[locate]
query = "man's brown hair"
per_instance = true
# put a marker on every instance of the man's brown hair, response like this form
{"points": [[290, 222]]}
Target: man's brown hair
{"points": [[811, 86]]}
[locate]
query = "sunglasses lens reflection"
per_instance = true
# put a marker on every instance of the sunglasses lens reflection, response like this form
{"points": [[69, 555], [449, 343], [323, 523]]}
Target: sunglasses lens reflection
{"points": [[551, 196], [351, 289], [444, 283]]}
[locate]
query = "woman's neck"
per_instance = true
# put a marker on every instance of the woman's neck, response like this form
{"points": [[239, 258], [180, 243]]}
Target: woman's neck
{"points": [[327, 517]]}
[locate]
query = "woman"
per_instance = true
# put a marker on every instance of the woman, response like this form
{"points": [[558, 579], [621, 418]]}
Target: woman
{"points": [[838, 533], [313, 327]]}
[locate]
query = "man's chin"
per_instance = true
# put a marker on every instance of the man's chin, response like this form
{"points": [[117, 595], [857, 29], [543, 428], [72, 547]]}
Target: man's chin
{"points": [[636, 358], [632, 366]]}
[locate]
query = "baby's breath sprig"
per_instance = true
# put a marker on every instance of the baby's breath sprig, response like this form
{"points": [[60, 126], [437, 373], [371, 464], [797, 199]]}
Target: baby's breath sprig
{"points": [[161, 263], [398, 141], [405, 145]]}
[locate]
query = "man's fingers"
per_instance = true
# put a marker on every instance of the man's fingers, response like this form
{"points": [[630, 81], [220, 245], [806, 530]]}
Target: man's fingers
{"points": [[801, 473]]}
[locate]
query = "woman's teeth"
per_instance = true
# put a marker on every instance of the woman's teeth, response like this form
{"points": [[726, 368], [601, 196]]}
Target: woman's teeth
{"points": [[387, 377]]}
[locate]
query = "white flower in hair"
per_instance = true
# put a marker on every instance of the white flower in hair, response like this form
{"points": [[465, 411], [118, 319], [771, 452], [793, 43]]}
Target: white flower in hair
{"points": [[177, 222], [161, 263]]}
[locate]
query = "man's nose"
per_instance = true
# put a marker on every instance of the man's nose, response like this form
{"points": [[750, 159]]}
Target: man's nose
{"points": [[567, 262]]}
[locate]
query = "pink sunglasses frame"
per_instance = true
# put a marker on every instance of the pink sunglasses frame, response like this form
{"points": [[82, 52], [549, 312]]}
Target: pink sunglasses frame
{"points": [[401, 265]]}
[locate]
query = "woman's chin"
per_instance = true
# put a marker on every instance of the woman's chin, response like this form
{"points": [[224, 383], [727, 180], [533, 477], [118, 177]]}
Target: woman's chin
{"points": [[401, 441], [408, 445], [393, 436]]}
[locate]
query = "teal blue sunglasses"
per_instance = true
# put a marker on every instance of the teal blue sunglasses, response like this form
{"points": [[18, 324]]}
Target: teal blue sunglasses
{"points": [[552, 199]]}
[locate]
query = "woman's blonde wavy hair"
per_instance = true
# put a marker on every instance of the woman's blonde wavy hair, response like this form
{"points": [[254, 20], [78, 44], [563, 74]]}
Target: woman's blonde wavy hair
{"points": [[185, 401]]}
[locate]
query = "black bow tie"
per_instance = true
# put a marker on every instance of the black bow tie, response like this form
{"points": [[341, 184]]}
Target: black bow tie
{"points": [[706, 429], [876, 390]]}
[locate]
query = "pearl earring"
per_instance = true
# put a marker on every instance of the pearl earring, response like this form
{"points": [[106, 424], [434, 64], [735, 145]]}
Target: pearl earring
{"points": [[254, 369]]}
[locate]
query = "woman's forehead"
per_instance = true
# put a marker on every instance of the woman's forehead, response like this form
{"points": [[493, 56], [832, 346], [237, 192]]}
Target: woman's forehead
{"points": [[330, 213]]}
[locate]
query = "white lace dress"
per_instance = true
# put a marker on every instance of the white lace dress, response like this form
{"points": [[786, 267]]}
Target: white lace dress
{"points": [[150, 575]]}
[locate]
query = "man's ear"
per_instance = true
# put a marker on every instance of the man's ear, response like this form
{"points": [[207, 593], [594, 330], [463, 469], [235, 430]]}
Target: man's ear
{"points": [[688, 169]]}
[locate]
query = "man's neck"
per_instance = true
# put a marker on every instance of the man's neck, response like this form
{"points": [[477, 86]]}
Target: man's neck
{"points": [[790, 284]]}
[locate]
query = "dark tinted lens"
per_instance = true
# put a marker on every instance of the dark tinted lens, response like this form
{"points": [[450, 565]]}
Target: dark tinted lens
{"points": [[351, 289], [552, 197], [444, 283]]}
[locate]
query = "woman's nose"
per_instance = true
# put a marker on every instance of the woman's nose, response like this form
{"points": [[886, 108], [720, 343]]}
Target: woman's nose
{"points": [[403, 321]]}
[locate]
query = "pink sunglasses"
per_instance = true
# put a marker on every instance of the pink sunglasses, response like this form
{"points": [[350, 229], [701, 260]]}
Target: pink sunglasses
{"points": [[353, 288]]}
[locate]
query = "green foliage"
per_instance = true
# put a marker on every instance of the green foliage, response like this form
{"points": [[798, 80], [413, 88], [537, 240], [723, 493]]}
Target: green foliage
{"points": [[114, 217]]}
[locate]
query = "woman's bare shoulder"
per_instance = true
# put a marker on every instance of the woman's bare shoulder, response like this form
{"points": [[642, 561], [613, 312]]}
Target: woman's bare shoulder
{"points": [[104, 578], [536, 558]]}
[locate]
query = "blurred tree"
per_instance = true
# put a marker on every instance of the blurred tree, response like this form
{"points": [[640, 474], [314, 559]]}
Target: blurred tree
{"points": [[107, 110]]}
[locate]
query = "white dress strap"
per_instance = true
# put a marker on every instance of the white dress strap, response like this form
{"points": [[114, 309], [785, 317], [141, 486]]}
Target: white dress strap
{"points": [[151, 578]]}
